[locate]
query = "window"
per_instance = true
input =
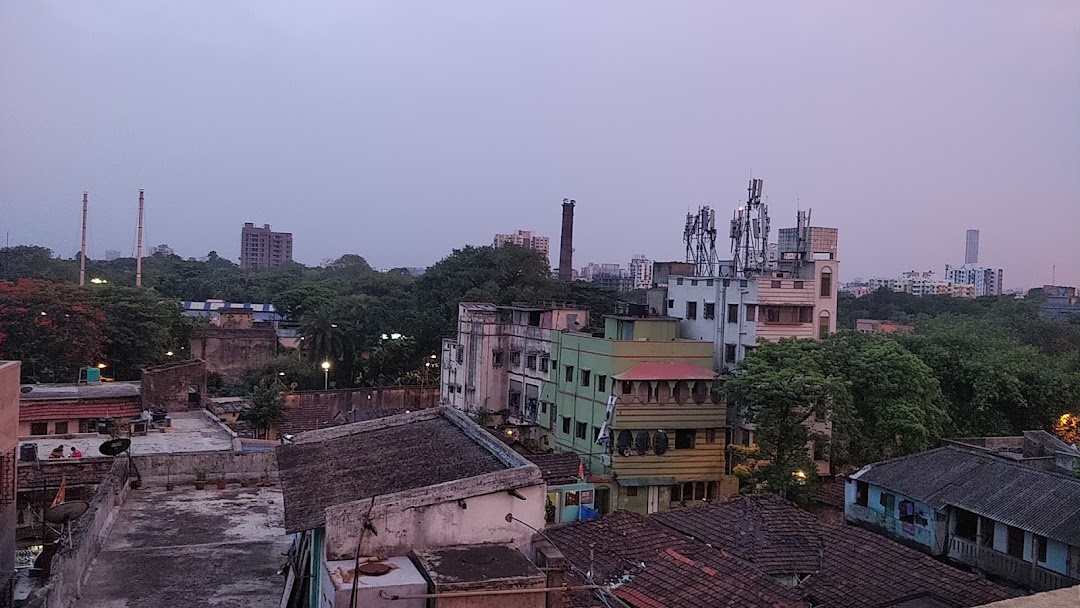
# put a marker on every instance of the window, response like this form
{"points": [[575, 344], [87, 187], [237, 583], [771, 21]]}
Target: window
{"points": [[671, 304], [726, 282], [515, 358], [530, 362], [772, 314], [627, 387], [693, 282], [862, 493], [460, 354], [743, 283], [967, 524], [684, 439], [39, 428], [632, 490], [710, 310], [806, 315], [732, 313], [987, 532], [888, 501], [729, 353], [580, 428], [1040, 548], [586, 375], [823, 326], [595, 434], [534, 318], [496, 358], [61, 428], [676, 494], [826, 284], [543, 407], [565, 425], [711, 490], [708, 282], [691, 310], [775, 284], [820, 450], [797, 285], [907, 512], [543, 364], [678, 281], [710, 436], [569, 373], [1016, 542], [601, 383]]}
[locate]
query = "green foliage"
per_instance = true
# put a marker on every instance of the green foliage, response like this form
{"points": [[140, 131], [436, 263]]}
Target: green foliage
{"points": [[785, 387], [29, 262], [139, 325], [267, 406]]}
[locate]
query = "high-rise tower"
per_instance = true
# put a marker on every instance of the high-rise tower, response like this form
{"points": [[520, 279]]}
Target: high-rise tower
{"points": [[566, 244], [971, 247]]}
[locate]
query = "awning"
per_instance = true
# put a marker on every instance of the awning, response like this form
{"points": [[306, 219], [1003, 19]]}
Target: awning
{"points": [[666, 371]]}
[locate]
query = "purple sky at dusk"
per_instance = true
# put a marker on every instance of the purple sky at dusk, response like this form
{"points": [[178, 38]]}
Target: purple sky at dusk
{"points": [[401, 130]]}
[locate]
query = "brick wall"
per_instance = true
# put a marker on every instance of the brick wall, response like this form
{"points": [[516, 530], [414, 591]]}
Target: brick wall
{"points": [[47, 474], [167, 387], [309, 410], [230, 352]]}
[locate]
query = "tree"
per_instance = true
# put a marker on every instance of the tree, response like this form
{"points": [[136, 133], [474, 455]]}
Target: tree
{"points": [[783, 388], [54, 329], [897, 405], [139, 327], [323, 337], [30, 262], [267, 406]]}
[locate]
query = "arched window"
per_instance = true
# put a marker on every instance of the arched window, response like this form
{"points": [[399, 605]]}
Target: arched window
{"points": [[826, 283], [710, 491], [823, 325]]}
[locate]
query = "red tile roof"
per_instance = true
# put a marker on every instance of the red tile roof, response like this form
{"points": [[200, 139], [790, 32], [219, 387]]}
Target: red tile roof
{"points": [[653, 567], [74, 410], [666, 371]]}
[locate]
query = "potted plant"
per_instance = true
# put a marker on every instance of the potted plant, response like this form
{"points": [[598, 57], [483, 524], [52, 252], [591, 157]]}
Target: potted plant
{"points": [[222, 483], [200, 478], [169, 485]]}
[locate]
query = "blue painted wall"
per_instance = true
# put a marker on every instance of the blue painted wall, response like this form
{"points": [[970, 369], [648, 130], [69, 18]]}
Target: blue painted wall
{"points": [[882, 516]]}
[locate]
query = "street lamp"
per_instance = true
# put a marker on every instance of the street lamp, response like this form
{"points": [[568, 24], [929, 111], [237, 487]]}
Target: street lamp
{"points": [[326, 375]]}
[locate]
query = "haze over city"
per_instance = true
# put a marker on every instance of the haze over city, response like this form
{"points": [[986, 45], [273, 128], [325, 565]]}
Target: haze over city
{"points": [[400, 131]]}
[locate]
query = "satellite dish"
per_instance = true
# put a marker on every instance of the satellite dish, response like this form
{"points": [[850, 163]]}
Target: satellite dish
{"points": [[660, 443], [66, 511], [25, 389], [115, 447]]}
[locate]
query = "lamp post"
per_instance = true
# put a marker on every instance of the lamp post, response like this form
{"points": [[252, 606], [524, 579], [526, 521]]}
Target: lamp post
{"points": [[326, 375]]}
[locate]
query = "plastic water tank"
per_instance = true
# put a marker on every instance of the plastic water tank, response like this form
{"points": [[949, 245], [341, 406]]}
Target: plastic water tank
{"points": [[28, 452]]}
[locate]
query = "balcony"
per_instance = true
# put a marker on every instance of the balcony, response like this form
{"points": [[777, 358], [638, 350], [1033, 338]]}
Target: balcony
{"points": [[1006, 566]]}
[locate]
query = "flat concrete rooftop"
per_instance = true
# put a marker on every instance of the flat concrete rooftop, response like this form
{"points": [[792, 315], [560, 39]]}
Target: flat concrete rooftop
{"points": [[191, 432], [192, 548]]}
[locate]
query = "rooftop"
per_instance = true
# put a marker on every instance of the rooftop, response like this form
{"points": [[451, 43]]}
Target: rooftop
{"points": [[362, 460], [476, 564], [91, 390], [558, 468], [1002, 490], [666, 371], [190, 432], [189, 549]]}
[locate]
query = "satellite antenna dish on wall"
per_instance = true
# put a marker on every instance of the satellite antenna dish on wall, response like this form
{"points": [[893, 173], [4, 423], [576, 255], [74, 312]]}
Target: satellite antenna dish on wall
{"points": [[63, 514], [25, 389], [119, 445]]}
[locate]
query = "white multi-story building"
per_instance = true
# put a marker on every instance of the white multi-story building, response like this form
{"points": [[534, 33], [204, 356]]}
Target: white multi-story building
{"points": [[986, 281], [162, 249], [526, 239], [641, 272]]}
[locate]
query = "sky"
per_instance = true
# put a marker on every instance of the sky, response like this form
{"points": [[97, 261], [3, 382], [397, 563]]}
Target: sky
{"points": [[402, 130]]}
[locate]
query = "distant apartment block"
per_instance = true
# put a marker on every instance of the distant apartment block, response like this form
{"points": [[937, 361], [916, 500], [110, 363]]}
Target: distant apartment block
{"points": [[876, 326], [162, 249], [986, 281], [264, 248], [641, 272], [524, 238], [1061, 302], [112, 254], [608, 276], [914, 282]]}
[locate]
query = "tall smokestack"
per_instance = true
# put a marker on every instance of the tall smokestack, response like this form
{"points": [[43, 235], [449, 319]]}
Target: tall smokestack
{"points": [[566, 245], [82, 251], [138, 253]]}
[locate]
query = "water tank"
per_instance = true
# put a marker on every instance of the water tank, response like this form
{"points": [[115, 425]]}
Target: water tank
{"points": [[28, 452]]}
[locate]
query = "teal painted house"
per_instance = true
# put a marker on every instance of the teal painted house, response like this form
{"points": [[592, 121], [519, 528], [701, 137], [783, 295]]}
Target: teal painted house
{"points": [[995, 511]]}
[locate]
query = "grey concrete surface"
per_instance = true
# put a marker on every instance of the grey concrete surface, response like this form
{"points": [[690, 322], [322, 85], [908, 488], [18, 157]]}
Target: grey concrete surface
{"points": [[192, 548]]}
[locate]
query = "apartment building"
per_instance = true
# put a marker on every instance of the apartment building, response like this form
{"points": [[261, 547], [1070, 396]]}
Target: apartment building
{"points": [[262, 248], [641, 272], [524, 238], [985, 281]]}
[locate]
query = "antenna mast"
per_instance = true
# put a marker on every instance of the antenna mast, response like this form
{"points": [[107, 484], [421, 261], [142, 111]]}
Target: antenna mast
{"points": [[699, 234], [138, 249], [82, 256], [750, 232]]}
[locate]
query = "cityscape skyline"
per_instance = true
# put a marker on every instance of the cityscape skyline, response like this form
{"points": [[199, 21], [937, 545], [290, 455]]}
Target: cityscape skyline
{"points": [[856, 123]]}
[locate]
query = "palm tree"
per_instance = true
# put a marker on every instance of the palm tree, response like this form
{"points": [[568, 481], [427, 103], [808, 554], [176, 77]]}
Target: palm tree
{"points": [[323, 339]]}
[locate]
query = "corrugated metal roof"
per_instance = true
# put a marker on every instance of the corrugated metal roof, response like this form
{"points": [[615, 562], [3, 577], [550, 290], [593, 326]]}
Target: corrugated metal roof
{"points": [[91, 390], [1018, 495]]}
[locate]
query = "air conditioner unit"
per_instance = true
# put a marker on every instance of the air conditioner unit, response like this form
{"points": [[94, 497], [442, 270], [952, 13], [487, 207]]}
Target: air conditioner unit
{"points": [[605, 459]]}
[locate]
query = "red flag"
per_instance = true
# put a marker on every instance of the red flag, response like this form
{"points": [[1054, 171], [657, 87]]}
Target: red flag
{"points": [[61, 493]]}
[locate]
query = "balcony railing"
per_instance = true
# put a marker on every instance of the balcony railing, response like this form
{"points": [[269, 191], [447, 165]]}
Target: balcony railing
{"points": [[1006, 566]]}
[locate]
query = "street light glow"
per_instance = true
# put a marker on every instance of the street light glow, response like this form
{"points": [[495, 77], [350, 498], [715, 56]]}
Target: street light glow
{"points": [[169, 353], [325, 365], [98, 281], [101, 366]]}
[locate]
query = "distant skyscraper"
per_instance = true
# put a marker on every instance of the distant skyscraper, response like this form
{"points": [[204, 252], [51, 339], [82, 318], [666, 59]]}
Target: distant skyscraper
{"points": [[163, 249], [264, 248], [971, 247], [526, 239], [111, 254]]}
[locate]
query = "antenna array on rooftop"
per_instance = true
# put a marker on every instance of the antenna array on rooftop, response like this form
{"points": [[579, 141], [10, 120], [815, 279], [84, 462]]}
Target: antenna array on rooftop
{"points": [[750, 232]]}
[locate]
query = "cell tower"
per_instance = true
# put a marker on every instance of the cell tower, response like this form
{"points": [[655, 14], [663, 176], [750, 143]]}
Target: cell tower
{"points": [[750, 233], [700, 238]]}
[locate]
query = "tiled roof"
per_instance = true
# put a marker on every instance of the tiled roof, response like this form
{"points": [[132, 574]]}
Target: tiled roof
{"points": [[98, 408], [1011, 493], [316, 414], [558, 468], [855, 568], [765, 530], [831, 493], [655, 568], [366, 459], [89, 390], [666, 371]]}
